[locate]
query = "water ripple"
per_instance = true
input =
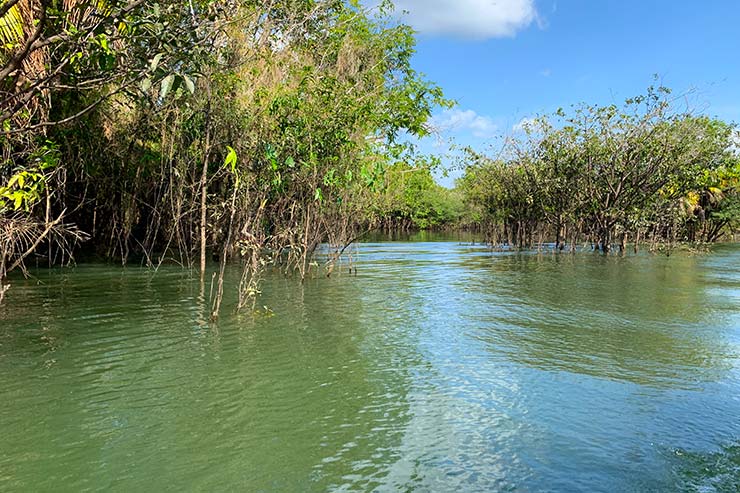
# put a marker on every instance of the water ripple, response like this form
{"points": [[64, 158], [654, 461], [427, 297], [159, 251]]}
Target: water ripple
{"points": [[440, 366]]}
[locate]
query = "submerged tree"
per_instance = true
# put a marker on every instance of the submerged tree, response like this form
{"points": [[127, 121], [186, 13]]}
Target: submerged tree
{"points": [[182, 130], [607, 174]]}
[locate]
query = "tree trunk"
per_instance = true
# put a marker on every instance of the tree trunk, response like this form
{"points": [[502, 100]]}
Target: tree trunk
{"points": [[605, 239], [204, 194], [637, 241]]}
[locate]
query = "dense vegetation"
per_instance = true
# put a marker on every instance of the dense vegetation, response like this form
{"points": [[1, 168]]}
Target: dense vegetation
{"points": [[173, 131], [411, 199], [258, 130], [609, 175]]}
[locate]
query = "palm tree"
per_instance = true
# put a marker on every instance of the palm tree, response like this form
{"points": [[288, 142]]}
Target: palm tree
{"points": [[23, 65], [25, 47]]}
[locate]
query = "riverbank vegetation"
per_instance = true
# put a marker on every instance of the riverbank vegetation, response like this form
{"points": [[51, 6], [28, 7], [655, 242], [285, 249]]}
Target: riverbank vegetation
{"points": [[644, 172], [175, 131], [258, 130], [411, 200]]}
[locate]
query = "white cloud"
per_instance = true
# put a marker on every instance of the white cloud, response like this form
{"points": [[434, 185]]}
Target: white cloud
{"points": [[477, 19], [457, 120]]}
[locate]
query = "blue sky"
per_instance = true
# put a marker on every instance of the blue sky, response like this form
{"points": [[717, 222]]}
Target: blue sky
{"points": [[506, 60]]}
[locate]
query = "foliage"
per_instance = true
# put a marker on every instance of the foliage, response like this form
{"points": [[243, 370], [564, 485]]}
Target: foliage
{"points": [[26, 185], [242, 128], [411, 199], [605, 173]]}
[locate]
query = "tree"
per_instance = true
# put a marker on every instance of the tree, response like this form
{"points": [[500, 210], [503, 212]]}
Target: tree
{"points": [[606, 173], [305, 100]]}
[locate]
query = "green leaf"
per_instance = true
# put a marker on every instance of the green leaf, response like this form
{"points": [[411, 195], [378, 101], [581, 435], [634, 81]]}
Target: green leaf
{"points": [[231, 159], [166, 85], [189, 83], [155, 62]]}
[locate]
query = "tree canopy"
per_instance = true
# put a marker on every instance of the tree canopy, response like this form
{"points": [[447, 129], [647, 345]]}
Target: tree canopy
{"points": [[607, 173], [167, 130]]}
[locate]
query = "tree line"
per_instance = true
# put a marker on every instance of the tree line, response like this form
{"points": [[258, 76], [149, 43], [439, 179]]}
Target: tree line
{"points": [[177, 131], [647, 171]]}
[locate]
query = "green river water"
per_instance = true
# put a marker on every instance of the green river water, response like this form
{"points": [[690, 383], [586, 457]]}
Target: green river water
{"points": [[440, 366]]}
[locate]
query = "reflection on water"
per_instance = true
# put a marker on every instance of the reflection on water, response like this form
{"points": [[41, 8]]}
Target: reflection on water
{"points": [[644, 320], [440, 366]]}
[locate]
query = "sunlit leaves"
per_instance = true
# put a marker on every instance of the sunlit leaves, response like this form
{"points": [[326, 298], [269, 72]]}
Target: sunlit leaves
{"points": [[25, 187], [607, 169]]}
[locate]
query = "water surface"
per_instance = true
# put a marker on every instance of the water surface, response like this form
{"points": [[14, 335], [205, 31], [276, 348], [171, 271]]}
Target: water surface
{"points": [[440, 366]]}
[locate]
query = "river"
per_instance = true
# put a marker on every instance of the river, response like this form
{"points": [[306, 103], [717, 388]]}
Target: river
{"points": [[438, 366]]}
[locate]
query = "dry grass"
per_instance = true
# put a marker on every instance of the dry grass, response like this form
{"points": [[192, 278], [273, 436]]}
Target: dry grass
{"points": [[20, 237]]}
